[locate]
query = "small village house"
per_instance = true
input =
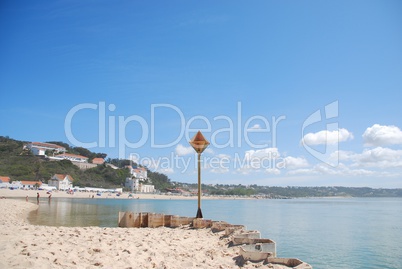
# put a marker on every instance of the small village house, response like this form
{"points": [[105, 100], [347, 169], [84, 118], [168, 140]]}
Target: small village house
{"points": [[39, 148], [4, 182], [98, 161], [28, 185], [61, 181], [24, 184], [138, 172]]}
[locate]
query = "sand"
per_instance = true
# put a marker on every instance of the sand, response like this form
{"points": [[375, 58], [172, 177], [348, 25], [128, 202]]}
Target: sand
{"points": [[28, 246], [23, 245], [62, 194]]}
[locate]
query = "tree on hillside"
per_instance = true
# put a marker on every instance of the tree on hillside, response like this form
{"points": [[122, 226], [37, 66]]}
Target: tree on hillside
{"points": [[83, 151], [160, 181], [10, 146], [50, 152], [119, 162], [101, 155]]}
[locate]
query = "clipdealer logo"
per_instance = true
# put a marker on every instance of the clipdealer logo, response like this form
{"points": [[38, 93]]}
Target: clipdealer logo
{"points": [[237, 130]]}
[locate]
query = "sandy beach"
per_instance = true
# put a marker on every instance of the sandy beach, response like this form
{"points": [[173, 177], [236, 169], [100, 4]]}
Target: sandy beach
{"points": [[28, 246], [23, 245], [62, 194]]}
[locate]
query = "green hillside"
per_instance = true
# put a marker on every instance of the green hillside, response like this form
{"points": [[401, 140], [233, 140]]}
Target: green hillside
{"points": [[20, 164]]}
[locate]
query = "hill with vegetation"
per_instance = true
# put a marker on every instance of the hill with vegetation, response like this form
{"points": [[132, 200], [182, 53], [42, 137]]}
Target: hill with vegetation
{"points": [[20, 164]]}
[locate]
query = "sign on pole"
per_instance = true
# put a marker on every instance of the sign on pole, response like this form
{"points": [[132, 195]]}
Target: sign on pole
{"points": [[199, 144]]}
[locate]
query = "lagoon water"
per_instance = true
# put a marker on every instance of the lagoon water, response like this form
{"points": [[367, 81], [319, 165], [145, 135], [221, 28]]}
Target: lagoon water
{"points": [[327, 233]]}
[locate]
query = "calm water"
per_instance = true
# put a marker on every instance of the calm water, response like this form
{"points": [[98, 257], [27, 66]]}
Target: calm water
{"points": [[327, 233]]}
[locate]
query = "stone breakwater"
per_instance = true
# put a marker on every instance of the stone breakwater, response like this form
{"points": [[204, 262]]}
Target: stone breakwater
{"points": [[252, 248]]}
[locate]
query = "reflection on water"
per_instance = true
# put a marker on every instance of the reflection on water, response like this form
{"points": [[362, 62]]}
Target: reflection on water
{"points": [[101, 212], [62, 213]]}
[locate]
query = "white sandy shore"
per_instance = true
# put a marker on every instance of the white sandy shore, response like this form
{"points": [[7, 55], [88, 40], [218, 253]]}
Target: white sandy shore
{"points": [[43, 194], [23, 245], [27, 246]]}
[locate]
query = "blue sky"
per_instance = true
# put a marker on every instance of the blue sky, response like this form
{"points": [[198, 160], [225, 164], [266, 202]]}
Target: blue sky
{"points": [[138, 78]]}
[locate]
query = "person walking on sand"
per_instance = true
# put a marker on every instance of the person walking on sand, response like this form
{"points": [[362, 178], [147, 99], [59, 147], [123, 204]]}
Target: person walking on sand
{"points": [[37, 197]]}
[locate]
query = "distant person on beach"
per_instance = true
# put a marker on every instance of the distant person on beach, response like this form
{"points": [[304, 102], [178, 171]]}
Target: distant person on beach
{"points": [[50, 197], [37, 197]]}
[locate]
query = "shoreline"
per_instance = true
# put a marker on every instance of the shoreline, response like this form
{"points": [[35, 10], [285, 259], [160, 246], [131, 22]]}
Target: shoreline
{"points": [[62, 194], [7, 193]]}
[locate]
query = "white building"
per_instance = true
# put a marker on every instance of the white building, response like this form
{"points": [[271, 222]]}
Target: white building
{"points": [[4, 182], [70, 157], [26, 185], [147, 188], [136, 181], [39, 148], [132, 183], [46, 187], [135, 184], [138, 172], [112, 166], [61, 181]]}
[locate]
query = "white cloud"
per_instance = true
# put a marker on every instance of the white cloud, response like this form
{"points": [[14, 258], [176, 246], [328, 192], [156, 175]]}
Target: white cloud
{"points": [[245, 170], [342, 155], [341, 170], [219, 164], [273, 171], [208, 150], [381, 135], [223, 156], [303, 171], [295, 162], [379, 157], [166, 171], [327, 137], [220, 170], [380, 154], [255, 127], [257, 161], [182, 150], [267, 153], [269, 160]]}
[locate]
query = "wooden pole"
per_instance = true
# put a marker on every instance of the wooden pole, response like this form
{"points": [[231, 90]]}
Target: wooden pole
{"points": [[199, 213]]}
